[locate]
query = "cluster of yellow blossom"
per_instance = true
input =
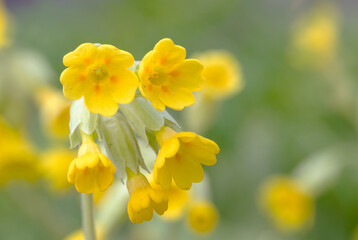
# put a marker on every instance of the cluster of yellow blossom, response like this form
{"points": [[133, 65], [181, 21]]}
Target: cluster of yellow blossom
{"points": [[104, 76]]}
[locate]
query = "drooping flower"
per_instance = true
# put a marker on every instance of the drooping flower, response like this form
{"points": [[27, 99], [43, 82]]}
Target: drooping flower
{"points": [[143, 198], [286, 203], [91, 170], [203, 216], [167, 78], [17, 157], [100, 74], [55, 164], [55, 112], [180, 158], [222, 74]]}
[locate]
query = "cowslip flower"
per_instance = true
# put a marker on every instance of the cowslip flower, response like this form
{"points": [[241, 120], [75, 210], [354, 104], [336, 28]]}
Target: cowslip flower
{"points": [[100, 74], [222, 74], [202, 216], [167, 78], [143, 198], [180, 158], [289, 206], [91, 171]]}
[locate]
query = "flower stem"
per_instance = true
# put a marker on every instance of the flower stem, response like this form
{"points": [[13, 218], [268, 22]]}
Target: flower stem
{"points": [[87, 216]]}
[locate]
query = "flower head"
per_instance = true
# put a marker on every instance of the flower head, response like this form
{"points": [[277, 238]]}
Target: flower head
{"points": [[289, 206], [100, 74], [180, 158], [143, 198], [203, 216], [91, 170], [222, 74], [167, 78]]}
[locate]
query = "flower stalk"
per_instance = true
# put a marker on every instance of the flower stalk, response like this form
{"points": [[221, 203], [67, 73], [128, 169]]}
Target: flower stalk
{"points": [[87, 216]]}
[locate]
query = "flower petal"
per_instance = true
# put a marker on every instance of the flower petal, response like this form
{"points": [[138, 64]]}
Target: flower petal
{"points": [[73, 81]]}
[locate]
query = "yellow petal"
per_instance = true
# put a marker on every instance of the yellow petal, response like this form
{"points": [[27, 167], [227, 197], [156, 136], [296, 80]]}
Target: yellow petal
{"points": [[85, 181], [170, 147], [122, 86], [169, 54], [104, 178], [176, 98], [82, 55], [162, 176], [113, 57], [73, 82], [87, 160], [188, 75], [71, 174], [99, 100]]}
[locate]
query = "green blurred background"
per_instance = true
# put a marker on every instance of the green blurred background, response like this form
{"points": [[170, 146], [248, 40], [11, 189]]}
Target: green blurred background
{"points": [[283, 115]]}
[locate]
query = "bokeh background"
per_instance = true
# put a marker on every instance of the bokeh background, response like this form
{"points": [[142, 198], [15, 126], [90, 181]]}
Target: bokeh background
{"points": [[288, 111]]}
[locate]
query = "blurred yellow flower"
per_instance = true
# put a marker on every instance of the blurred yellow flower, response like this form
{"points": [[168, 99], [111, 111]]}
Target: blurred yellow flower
{"points": [[100, 74], [177, 200], [315, 37], [222, 74], [17, 158], [78, 235], [290, 207], [55, 164], [143, 198], [55, 112], [203, 216], [180, 158], [167, 78], [3, 24], [91, 171]]}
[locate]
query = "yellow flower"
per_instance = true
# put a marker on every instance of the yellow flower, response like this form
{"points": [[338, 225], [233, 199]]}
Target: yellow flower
{"points": [[177, 200], [100, 74], [3, 24], [222, 74], [180, 158], [315, 37], [55, 167], [143, 198], [91, 171], [55, 112], [290, 207], [17, 157], [167, 78], [202, 217]]}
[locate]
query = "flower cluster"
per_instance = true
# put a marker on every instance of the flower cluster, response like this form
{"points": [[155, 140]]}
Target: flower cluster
{"points": [[102, 81]]}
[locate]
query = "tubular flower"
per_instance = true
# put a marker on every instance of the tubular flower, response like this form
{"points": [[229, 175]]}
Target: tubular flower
{"points": [[55, 112], [180, 158], [203, 217], [91, 170], [100, 74], [55, 165], [143, 198], [286, 203], [222, 74], [167, 78]]}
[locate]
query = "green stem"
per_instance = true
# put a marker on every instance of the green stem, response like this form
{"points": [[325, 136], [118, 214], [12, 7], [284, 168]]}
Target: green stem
{"points": [[87, 216]]}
